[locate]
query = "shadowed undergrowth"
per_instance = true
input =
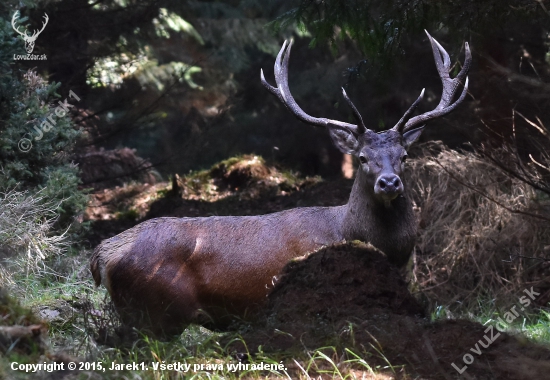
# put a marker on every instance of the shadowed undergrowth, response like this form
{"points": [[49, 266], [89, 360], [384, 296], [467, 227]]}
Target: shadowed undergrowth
{"points": [[336, 319]]}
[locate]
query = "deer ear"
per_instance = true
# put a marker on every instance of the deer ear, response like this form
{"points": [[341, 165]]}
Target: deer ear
{"points": [[344, 140], [411, 136]]}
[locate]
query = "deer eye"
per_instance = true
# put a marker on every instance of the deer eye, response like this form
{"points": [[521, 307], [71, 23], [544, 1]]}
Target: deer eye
{"points": [[363, 159], [404, 158]]}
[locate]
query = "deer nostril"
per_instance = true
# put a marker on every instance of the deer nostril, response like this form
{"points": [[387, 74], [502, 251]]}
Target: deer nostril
{"points": [[389, 184]]}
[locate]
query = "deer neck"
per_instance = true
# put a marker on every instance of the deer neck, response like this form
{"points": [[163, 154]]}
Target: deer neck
{"points": [[391, 228]]}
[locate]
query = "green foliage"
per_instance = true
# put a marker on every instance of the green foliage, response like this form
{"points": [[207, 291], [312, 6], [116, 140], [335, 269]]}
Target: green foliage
{"points": [[27, 160], [170, 21], [130, 214], [378, 27]]}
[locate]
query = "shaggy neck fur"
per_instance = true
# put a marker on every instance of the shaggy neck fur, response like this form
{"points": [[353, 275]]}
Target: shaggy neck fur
{"points": [[391, 228]]}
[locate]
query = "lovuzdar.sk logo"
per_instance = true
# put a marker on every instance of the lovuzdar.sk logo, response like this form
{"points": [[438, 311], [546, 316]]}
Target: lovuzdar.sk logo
{"points": [[29, 39]]}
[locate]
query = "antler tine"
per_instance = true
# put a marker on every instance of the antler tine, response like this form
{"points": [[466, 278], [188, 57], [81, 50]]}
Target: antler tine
{"points": [[281, 78], [442, 59], [443, 64], [360, 124], [274, 90], [43, 25], [399, 126], [282, 92], [467, 62], [16, 28]]}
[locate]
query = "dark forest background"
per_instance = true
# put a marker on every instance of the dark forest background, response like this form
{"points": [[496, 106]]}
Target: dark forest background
{"points": [[179, 80]]}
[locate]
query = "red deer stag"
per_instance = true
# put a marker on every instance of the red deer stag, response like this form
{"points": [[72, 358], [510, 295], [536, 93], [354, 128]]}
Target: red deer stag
{"points": [[174, 271]]}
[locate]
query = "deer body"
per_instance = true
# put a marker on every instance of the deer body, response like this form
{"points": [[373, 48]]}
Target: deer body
{"points": [[213, 264], [168, 272]]}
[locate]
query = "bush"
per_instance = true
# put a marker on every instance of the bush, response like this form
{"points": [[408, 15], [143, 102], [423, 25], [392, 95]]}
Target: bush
{"points": [[484, 234], [39, 185], [26, 222], [45, 167]]}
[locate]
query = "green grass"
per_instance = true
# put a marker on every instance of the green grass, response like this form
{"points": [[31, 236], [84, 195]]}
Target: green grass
{"points": [[539, 328], [532, 323]]}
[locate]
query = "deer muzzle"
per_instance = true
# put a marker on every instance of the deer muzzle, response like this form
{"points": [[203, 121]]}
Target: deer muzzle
{"points": [[388, 186]]}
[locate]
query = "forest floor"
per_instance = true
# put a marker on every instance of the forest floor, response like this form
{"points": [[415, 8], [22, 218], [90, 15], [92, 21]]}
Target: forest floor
{"points": [[341, 312]]}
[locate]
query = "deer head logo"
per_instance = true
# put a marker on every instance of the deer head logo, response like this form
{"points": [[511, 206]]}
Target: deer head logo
{"points": [[29, 40]]}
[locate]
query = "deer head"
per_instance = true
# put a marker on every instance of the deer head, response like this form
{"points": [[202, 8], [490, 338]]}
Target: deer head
{"points": [[29, 40], [381, 154]]}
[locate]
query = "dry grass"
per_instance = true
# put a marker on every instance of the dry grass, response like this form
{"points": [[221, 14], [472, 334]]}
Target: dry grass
{"points": [[26, 222], [478, 225]]}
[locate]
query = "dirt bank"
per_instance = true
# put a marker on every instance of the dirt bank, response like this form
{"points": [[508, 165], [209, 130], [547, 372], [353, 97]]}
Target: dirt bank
{"points": [[349, 296]]}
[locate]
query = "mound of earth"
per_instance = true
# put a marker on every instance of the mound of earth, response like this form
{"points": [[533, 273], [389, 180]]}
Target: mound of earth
{"points": [[109, 168], [246, 175], [241, 172], [340, 281], [242, 185], [348, 295]]}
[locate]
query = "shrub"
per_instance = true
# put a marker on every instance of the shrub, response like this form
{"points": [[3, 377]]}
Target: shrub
{"points": [[483, 233], [46, 166], [26, 221], [39, 187]]}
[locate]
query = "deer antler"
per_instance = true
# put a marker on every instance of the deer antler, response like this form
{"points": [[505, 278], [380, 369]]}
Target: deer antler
{"points": [[37, 33], [15, 17], [443, 64], [282, 91]]}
